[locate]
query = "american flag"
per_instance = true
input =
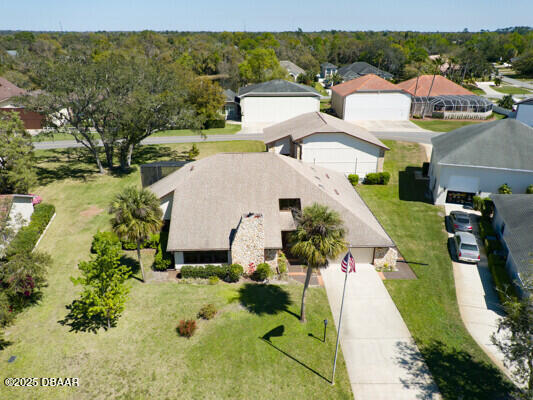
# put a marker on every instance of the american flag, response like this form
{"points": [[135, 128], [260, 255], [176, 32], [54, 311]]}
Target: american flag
{"points": [[348, 260]]}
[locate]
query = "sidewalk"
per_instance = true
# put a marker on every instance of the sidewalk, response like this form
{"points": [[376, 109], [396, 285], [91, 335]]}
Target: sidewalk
{"points": [[382, 359]]}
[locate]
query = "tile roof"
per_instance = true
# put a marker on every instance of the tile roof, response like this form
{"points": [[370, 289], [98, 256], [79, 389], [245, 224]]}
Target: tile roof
{"points": [[8, 90], [210, 196], [278, 87], [317, 122], [516, 211], [361, 68], [506, 143], [441, 86], [366, 83]]}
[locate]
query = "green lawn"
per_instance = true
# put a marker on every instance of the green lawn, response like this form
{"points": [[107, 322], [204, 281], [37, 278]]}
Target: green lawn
{"points": [[446, 125], [143, 357], [428, 304], [229, 129], [508, 89], [478, 91], [320, 89]]}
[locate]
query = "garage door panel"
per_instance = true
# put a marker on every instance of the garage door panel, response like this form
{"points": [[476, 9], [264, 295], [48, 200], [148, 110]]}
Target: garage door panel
{"points": [[362, 255]]}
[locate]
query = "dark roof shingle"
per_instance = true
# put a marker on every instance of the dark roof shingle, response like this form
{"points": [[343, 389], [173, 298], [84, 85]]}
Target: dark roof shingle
{"points": [[277, 87]]}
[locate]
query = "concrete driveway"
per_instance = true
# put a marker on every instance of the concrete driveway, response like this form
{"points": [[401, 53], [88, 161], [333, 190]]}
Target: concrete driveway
{"points": [[382, 359], [390, 126], [478, 302]]}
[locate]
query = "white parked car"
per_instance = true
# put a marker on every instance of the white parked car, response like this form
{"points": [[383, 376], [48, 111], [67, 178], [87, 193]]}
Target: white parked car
{"points": [[466, 247]]}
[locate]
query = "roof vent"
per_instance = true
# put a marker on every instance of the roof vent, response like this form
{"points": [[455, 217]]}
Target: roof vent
{"points": [[336, 191], [192, 167], [327, 176]]}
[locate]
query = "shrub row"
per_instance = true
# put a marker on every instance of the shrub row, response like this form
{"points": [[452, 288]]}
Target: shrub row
{"points": [[484, 205], [485, 228], [502, 281], [215, 123], [354, 179], [163, 259], [27, 237], [228, 273], [377, 178], [151, 243]]}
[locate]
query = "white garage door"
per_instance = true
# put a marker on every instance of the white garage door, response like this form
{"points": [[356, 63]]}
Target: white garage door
{"points": [[343, 160], [469, 184], [363, 255]]}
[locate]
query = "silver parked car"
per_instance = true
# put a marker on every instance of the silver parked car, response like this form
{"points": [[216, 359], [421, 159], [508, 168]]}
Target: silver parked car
{"points": [[460, 221], [466, 247]]}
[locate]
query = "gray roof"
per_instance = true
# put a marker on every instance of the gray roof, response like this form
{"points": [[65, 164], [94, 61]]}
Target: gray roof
{"points": [[230, 95], [291, 67], [506, 143], [328, 65], [361, 68], [317, 122], [526, 101], [516, 211], [278, 87], [211, 195]]}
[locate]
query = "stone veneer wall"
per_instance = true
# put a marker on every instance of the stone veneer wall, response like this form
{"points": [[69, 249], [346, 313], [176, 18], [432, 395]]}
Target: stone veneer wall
{"points": [[248, 244], [385, 255], [271, 257]]}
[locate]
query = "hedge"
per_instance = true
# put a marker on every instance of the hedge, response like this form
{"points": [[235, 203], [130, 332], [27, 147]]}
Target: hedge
{"points": [[483, 204], [485, 228], [502, 282], [377, 178], [27, 237], [215, 123], [163, 259], [229, 273], [492, 245]]}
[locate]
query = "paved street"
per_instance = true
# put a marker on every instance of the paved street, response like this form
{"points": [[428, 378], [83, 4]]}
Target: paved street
{"points": [[517, 82], [382, 360]]}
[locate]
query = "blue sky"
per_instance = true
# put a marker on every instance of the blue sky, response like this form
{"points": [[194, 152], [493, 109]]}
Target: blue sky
{"points": [[265, 15]]}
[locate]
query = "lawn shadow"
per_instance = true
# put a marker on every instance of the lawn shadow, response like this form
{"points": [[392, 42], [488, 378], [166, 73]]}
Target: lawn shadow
{"points": [[150, 153], [456, 373], [132, 264], [265, 299], [278, 332], [412, 189], [79, 320], [4, 343]]}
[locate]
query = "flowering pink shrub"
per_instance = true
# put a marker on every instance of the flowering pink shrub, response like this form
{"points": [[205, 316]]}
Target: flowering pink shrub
{"points": [[251, 269], [36, 199]]}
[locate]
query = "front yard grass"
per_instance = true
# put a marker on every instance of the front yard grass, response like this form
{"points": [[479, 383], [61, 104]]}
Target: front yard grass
{"points": [[508, 89], [429, 304], [143, 357]]}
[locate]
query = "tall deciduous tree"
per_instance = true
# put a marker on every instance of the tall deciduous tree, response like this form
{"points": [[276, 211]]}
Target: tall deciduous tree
{"points": [[16, 155], [104, 292], [136, 215], [318, 237], [261, 65]]}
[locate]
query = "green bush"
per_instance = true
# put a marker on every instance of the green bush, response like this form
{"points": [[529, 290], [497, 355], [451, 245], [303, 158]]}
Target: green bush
{"points": [[186, 328], [483, 204], [163, 259], [282, 263], [377, 178], [262, 272], [7, 315], [215, 123], [502, 282], [213, 280], [505, 189], [151, 243], [354, 179], [27, 237], [529, 189], [105, 236], [485, 228], [235, 272], [207, 312], [492, 245]]}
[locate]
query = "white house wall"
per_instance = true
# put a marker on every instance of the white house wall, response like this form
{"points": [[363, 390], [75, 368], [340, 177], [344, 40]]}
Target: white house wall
{"points": [[337, 103], [276, 109], [376, 106], [483, 181], [340, 152], [525, 114]]}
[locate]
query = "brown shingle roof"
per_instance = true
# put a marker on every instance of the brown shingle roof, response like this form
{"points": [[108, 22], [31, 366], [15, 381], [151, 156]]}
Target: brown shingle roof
{"points": [[366, 83], [7, 89], [441, 86]]}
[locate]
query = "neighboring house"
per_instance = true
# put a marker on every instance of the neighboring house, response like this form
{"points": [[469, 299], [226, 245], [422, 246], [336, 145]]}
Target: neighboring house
{"points": [[513, 222], [232, 109], [267, 103], [153, 172], [8, 91], [236, 208], [361, 68], [292, 69], [329, 142], [370, 98], [438, 97], [478, 159], [524, 111], [327, 69]]}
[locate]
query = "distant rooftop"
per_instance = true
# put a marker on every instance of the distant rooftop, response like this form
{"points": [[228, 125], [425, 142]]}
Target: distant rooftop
{"points": [[278, 87]]}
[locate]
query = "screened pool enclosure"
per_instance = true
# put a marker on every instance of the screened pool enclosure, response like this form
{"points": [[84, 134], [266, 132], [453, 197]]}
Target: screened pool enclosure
{"points": [[451, 106]]}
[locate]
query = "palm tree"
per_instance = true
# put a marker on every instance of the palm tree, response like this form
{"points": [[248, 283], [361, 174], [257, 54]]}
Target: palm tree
{"points": [[137, 215], [438, 62], [319, 236]]}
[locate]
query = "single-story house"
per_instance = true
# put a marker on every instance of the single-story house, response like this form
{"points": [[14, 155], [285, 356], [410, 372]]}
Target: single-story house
{"points": [[477, 159], [267, 103], [237, 208], [327, 69], [292, 69], [524, 111], [361, 68], [321, 139], [370, 98], [513, 222], [8, 91], [438, 97], [232, 108]]}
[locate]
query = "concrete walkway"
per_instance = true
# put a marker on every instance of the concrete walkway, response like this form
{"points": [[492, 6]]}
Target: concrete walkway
{"points": [[390, 126], [478, 302], [382, 359], [489, 91]]}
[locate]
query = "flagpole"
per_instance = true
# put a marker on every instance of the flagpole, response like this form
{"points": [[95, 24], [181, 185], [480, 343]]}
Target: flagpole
{"points": [[339, 329]]}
